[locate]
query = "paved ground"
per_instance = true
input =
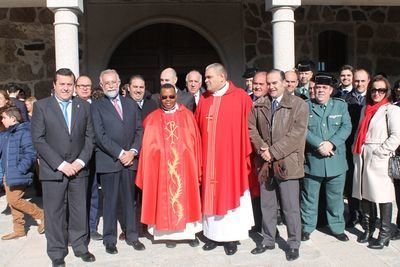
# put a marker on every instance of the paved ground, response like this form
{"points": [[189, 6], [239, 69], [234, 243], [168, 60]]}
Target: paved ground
{"points": [[321, 250]]}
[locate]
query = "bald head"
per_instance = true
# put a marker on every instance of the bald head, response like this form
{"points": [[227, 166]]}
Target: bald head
{"points": [[292, 80], [193, 81], [168, 76], [361, 80], [260, 84]]}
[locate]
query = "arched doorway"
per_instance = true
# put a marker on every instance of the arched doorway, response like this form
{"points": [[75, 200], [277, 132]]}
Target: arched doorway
{"points": [[150, 49]]}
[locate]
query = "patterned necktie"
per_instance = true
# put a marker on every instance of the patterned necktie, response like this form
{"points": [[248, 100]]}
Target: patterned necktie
{"points": [[117, 107], [64, 106], [275, 105]]}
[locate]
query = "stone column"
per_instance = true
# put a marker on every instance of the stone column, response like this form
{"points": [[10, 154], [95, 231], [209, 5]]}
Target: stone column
{"points": [[66, 32], [283, 32]]}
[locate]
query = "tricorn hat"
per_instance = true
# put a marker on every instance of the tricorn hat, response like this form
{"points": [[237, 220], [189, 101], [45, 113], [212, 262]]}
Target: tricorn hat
{"points": [[249, 73], [305, 65], [326, 79]]}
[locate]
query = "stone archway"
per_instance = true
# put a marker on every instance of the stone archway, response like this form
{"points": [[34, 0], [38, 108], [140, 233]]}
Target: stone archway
{"points": [[152, 48]]}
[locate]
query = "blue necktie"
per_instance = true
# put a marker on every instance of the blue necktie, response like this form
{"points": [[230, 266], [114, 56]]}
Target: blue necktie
{"points": [[64, 106], [275, 105]]}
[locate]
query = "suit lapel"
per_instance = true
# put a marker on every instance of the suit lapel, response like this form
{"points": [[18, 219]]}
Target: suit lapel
{"points": [[74, 113], [54, 105], [110, 107]]}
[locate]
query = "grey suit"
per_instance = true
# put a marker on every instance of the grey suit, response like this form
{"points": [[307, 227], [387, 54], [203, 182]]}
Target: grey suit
{"points": [[55, 144]]}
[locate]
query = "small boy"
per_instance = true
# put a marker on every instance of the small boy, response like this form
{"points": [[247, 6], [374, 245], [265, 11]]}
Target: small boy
{"points": [[17, 158]]}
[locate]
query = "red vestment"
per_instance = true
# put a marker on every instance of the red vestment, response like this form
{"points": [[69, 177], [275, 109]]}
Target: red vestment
{"points": [[223, 124], [169, 171]]}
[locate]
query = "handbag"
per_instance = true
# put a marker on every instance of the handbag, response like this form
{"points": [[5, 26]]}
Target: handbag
{"points": [[394, 166], [280, 170], [394, 160]]}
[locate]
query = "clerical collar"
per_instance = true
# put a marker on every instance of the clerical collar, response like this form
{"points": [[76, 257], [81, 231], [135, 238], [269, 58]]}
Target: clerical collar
{"points": [[222, 91], [173, 110]]}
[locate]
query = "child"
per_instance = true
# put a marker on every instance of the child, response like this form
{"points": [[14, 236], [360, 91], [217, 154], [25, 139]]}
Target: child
{"points": [[17, 158]]}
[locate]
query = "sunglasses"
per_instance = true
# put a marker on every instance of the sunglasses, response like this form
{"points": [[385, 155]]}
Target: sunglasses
{"points": [[164, 97], [378, 90]]}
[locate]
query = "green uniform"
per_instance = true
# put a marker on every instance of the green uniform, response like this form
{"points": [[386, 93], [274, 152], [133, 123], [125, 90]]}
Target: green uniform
{"points": [[330, 122], [303, 92]]}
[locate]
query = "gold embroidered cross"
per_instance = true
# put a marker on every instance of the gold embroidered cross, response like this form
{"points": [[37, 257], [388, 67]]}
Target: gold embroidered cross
{"points": [[171, 128]]}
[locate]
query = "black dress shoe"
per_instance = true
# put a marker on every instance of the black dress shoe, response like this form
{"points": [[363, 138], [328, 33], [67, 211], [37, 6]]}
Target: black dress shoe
{"points": [[170, 244], [95, 236], [137, 245], [292, 254], [230, 248], [352, 223], [87, 257], [210, 245], [111, 249], [262, 248], [396, 235], [58, 263], [194, 243], [341, 237], [305, 236]]}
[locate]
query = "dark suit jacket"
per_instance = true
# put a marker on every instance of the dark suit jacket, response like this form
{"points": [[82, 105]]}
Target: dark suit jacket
{"points": [[149, 105], [54, 143], [183, 98], [113, 134], [21, 106]]}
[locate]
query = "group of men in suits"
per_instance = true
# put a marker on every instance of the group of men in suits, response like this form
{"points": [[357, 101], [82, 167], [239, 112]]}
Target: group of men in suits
{"points": [[66, 129]]}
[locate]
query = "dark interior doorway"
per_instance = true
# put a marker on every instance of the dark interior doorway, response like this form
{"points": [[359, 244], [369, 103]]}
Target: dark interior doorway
{"points": [[153, 48]]}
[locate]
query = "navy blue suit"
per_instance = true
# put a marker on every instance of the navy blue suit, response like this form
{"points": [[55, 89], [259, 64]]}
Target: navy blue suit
{"points": [[112, 135]]}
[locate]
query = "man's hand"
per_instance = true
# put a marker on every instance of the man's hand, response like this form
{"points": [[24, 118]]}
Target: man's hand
{"points": [[127, 157], [68, 170], [77, 166], [325, 149], [265, 154]]}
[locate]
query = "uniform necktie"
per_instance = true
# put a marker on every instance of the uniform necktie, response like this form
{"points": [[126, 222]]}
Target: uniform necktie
{"points": [[117, 107], [64, 106]]}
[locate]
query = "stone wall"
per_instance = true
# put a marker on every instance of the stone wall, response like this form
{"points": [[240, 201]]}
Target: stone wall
{"points": [[373, 34], [27, 49]]}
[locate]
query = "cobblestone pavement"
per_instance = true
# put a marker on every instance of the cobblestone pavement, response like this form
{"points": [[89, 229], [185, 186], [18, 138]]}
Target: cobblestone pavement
{"points": [[321, 250]]}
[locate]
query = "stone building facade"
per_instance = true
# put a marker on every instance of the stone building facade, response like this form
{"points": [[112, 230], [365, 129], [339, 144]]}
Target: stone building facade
{"points": [[365, 37]]}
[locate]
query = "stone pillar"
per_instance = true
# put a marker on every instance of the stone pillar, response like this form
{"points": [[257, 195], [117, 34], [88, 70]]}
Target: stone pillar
{"points": [[283, 32], [66, 32]]}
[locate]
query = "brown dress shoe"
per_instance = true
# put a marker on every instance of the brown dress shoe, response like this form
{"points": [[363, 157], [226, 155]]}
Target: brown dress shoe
{"points": [[13, 235]]}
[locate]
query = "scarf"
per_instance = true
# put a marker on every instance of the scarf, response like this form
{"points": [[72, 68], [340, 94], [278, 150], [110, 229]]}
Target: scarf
{"points": [[370, 111]]}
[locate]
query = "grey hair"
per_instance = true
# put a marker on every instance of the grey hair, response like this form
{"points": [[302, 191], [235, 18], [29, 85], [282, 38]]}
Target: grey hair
{"points": [[219, 68], [109, 71]]}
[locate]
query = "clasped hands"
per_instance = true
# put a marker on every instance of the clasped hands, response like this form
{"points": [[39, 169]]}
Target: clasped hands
{"points": [[127, 157], [265, 154], [71, 169], [326, 149]]}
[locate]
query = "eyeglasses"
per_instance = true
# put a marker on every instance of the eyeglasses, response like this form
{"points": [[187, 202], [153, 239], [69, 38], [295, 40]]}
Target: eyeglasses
{"points": [[379, 90], [164, 97]]}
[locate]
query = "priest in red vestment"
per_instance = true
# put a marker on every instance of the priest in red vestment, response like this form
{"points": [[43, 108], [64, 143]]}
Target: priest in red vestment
{"points": [[169, 172], [222, 116]]}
